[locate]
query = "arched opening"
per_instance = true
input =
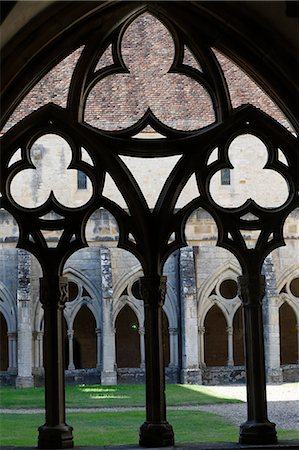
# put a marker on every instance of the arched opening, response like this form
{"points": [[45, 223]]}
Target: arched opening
{"points": [[85, 343], [3, 344], [215, 338], [166, 341], [238, 338], [127, 339], [288, 335]]}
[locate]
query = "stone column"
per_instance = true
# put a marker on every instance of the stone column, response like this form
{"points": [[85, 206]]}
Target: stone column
{"points": [[174, 357], [257, 429], [38, 349], [55, 433], [142, 348], [271, 324], [24, 377], [12, 352], [156, 431], [230, 351], [99, 343], [297, 328], [70, 336], [201, 353], [191, 372], [108, 374]]}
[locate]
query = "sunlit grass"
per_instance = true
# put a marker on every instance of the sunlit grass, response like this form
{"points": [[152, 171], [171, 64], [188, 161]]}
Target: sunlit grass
{"points": [[123, 428], [110, 396]]}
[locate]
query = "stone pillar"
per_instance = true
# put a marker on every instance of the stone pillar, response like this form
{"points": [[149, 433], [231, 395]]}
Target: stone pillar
{"points": [[108, 374], [201, 353], [70, 336], [191, 372], [38, 349], [297, 328], [257, 429], [99, 343], [24, 377], [230, 349], [156, 431], [55, 433], [142, 348], [174, 357], [271, 324], [12, 352]]}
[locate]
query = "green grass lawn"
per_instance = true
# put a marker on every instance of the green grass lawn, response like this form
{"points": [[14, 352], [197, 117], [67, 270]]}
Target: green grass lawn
{"points": [[109, 396], [122, 428]]}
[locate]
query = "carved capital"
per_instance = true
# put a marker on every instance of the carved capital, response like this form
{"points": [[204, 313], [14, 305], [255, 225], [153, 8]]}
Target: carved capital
{"points": [[251, 289], [153, 290], [201, 330], [54, 292]]}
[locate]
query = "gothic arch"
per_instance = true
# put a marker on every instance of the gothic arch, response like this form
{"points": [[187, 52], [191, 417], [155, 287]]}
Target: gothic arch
{"points": [[231, 270], [8, 308], [243, 40]]}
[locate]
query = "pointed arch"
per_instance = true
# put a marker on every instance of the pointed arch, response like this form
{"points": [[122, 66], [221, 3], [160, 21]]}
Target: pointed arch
{"points": [[127, 338], [8, 308], [229, 270], [288, 323]]}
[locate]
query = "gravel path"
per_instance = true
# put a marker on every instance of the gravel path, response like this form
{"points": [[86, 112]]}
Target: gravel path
{"points": [[283, 406]]}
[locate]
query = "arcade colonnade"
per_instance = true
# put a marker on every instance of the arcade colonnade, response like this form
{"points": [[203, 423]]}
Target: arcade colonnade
{"points": [[202, 149]]}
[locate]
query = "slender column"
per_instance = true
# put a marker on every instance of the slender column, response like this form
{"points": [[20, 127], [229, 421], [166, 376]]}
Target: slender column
{"points": [[70, 335], [55, 433], [40, 338], [230, 359], [99, 343], [38, 344], [173, 335], [156, 431], [12, 351], [257, 429], [190, 373], [297, 328], [201, 356], [108, 374], [142, 348]]}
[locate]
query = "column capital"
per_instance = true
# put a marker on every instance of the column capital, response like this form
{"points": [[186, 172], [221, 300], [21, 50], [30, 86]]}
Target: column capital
{"points": [[70, 334], [229, 330], [141, 330], [251, 289], [173, 331], [201, 330], [54, 291], [98, 331], [149, 285], [11, 335]]}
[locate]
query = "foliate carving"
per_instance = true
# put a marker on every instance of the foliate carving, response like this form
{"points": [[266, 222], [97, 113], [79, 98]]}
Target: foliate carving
{"points": [[251, 289], [53, 291], [63, 291], [153, 290]]}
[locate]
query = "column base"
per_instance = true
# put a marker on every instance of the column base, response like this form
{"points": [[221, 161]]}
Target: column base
{"points": [[24, 382], [156, 435], [56, 437], [257, 433], [191, 376], [109, 378], [274, 376]]}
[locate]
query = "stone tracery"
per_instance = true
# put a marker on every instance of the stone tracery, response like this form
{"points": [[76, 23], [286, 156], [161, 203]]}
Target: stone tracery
{"points": [[152, 229]]}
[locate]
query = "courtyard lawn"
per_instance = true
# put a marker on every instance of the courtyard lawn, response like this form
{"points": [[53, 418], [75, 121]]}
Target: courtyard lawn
{"points": [[122, 428], [110, 396]]}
